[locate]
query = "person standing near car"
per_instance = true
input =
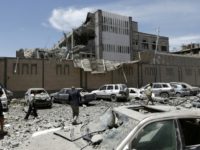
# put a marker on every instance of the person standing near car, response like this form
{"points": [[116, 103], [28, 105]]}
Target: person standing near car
{"points": [[31, 107], [74, 101], [2, 132], [148, 93]]}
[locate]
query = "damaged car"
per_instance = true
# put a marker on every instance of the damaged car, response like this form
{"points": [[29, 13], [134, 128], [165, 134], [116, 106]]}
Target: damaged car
{"points": [[133, 127], [62, 96], [40, 95]]}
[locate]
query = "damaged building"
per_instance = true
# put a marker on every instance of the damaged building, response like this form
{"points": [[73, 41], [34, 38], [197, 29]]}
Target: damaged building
{"points": [[109, 36]]}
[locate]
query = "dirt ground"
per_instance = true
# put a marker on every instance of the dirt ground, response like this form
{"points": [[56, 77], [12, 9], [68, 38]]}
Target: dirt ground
{"points": [[21, 131]]}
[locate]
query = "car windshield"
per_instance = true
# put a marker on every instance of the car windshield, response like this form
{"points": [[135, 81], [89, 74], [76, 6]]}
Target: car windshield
{"points": [[38, 92], [112, 137]]}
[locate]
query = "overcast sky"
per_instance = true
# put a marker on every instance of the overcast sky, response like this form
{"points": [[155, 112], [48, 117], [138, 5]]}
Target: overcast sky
{"points": [[40, 23]]}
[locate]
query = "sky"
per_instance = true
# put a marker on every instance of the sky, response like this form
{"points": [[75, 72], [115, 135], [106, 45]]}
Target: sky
{"points": [[41, 23]]}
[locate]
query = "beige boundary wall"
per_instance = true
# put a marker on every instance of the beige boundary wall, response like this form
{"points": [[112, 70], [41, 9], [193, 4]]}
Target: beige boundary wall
{"points": [[54, 75]]}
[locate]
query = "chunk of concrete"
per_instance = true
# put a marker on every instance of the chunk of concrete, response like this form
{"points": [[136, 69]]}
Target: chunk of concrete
{"points": [[96, 139]]}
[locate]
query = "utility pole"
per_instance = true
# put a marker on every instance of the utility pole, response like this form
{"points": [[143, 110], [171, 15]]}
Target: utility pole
{"points": [[155, 52]]}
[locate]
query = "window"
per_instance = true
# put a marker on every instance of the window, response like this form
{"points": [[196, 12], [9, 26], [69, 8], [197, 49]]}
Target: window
{"points": [[165, 85], [164, 48], [191, 131], [116, 87], [157, 86], [156, 136], [102, 88], [110, 87]]}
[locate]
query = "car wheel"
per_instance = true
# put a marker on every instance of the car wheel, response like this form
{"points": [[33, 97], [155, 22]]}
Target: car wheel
{"points": [[178, 94], [164, 95], [113, 98]]}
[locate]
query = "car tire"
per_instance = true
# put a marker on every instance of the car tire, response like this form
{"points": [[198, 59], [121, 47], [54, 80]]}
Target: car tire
{"points": [[164, 95], [113, 98]]}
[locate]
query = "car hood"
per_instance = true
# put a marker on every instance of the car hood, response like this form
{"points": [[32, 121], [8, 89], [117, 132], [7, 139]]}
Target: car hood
{"points": [[41, 96]]}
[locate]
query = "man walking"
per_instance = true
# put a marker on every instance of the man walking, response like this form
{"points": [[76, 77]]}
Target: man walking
{"points": [[2, 132], [74, 101], [31, 108], [148, 93]]}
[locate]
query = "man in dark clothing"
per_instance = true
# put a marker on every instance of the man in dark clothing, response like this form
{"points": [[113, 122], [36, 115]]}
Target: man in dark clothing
{"points": [[31, 108], [74, 101], [1, 114]]}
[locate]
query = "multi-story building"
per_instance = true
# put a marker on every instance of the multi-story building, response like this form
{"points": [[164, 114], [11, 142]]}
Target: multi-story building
{"points": [[110, 36]]}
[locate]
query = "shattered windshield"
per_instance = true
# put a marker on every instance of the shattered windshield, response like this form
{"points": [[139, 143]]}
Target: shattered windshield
{"points": [[113, 128]]}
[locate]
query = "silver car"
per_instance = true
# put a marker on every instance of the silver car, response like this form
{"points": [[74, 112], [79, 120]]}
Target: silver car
{"points": [[161, 89], [193, 89], [112, 92], [179, 89]]}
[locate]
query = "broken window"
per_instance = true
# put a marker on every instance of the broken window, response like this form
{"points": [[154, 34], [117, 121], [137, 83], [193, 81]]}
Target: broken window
{"points": [[156, 136], [164, 48]]}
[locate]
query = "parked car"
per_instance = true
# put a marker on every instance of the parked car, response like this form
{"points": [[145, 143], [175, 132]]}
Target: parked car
{"points": [[160, 89], [193, 89], [63, 96], [179, 89], [40, 95], [4, 100], [135, 93], [112, 92]]}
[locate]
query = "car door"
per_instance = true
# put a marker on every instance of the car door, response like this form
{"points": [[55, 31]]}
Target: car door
{"points": [[159, 135], [156, 89], [109, 91], [101, 92], [62, 94]]}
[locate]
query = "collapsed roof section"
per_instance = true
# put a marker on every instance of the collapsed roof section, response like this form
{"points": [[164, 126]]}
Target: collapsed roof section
{"points": [[99, 65]]}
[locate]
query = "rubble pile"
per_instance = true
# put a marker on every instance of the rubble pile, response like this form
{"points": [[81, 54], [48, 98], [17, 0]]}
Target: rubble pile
{"points": [[20, 130], [59, 115]]}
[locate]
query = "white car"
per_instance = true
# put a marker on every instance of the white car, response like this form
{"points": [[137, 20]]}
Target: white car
{"points": [[4, 100], [40, 96], [135, 93], [112, 92]]}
